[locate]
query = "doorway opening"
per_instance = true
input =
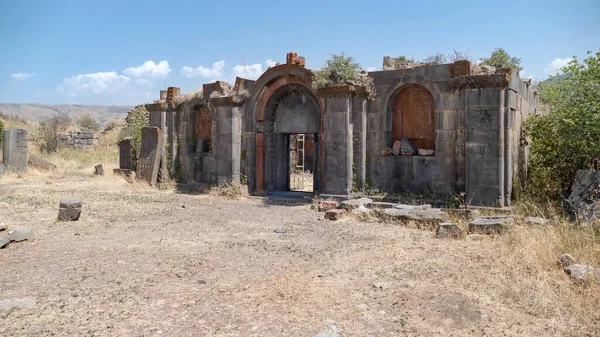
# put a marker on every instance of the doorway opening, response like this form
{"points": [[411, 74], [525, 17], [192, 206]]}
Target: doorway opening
{"points": [[301, 160]]}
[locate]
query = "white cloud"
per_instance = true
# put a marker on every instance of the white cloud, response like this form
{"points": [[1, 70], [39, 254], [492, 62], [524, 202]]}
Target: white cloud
{"points": [[526, 74], [21, 76], [270, 63], [149, 69], [371, 68], [251, 72], [555, 66], [106, 88], [214, 72]]}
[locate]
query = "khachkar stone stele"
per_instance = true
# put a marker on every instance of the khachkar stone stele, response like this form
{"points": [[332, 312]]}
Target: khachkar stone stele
{"points": [[14, 149]]}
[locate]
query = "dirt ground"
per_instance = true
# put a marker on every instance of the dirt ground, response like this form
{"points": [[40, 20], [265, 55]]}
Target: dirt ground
{"points": [[146, 262]]}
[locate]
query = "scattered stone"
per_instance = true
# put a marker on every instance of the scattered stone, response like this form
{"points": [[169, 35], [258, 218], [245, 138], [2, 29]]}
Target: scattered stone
{"points": [[21, 234], [381, 285], [363, 306], [69, 210], [491, 225], [425, 152], [40, 163], [330, 331], [462, 213], [403, 206], [325, 205], [362, 210], [408, 147], [335, 214], [4, 241], [397, 148], [380, 205], [428, 215], [99, 170], [355, 203], [530, 220], [3, 226], [397, 213], [578, 272], [278, 231], [448, 229], [17, 303]]}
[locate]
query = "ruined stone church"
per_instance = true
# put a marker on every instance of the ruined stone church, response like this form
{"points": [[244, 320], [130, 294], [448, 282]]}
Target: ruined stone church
{"points": [[443, 128]]}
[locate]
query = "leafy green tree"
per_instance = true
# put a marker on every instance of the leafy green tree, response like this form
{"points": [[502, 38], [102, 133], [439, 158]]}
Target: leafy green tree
{"points": [[338, 70], [568, 137], [501, 59], [88, 122]]}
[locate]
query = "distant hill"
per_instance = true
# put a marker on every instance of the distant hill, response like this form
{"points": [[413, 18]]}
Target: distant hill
{"points": [[41, 112]]}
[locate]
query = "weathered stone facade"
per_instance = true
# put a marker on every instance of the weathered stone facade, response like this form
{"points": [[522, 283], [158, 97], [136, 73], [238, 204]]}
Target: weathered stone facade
{"points": [[80, 139], [466, 129]]}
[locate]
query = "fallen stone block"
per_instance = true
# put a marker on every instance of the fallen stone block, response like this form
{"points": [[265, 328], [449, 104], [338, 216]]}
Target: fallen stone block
{"points": [[40, 163], [326, 205], [380, 205], [578, 272], [21, 234], [4, 241], [335, 214], [99, 170], [397, 148], [491, 225], [69, 210], [448, 229], [462, 213], [362, 210], [355, 203], [408, 147], [3, 226], [404, 206], [432, 215], [425, 152]]}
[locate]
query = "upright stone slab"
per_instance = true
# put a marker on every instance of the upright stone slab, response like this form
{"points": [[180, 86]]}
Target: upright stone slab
{"points": [[127, 154], [228, 145], [14, 149], [153, 143], [159, 120]]}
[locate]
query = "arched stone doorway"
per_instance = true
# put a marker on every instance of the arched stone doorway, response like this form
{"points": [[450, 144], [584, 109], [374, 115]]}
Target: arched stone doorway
{"points": [[201, 133], [291, 111], [414, 116]]}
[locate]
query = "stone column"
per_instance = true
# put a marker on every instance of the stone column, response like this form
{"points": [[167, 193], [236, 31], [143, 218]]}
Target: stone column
{"points": [[228, 145], [485, 142], [338, 139], [14, 149], [359, 120]]}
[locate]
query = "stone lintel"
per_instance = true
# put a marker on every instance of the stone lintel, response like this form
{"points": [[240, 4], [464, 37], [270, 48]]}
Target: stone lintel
{"points": [[160, 106], [479, 81]]}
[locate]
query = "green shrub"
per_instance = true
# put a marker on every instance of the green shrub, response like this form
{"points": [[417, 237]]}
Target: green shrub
{"points": [[567, 138], [88, 122], [48, 130], [136, 119]]}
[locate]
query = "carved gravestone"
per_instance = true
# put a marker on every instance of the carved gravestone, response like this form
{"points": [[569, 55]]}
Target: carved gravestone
{"points": [[127, 154], [69, 210], [153, 144], [14, 149]]}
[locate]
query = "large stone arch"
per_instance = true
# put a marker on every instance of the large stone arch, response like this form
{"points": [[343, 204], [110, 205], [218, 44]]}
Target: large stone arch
{"points": [[292, 109], [274, 80], [397, 85]]}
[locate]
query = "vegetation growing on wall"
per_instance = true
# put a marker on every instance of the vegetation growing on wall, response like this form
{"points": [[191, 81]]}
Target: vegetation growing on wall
{"points": [[341, 70], [136, 119], [568, 137], [501, 59]]}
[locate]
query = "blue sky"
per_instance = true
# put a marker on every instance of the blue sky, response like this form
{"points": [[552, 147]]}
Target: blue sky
{"points": [[124, 52]]}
